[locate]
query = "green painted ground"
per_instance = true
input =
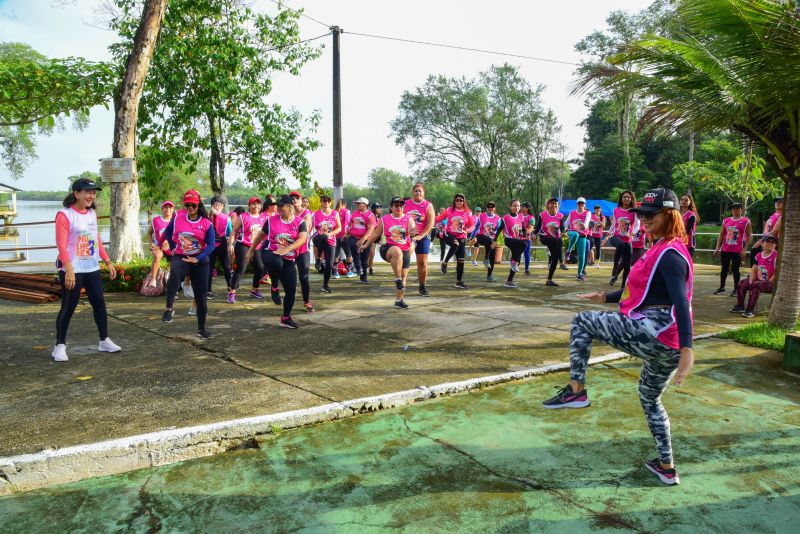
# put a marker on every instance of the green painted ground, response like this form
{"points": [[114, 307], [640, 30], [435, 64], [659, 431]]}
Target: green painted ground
{"points": [[489, 461]]}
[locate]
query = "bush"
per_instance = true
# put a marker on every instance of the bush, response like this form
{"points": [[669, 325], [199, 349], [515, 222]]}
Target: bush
{"points": [[129, 275]]}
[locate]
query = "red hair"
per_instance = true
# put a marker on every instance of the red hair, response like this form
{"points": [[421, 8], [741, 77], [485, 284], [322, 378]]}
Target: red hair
{"points": [[673, 226]]}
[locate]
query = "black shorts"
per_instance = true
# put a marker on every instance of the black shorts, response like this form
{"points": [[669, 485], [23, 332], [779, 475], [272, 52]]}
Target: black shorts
{"points": [[406, 255]]}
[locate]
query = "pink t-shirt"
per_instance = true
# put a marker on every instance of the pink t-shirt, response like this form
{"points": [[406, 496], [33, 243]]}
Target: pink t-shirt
{"points": [[189, 236], [551, 224], [251, 225], [771, 222], [220, 221], [361, 222], [596, 225], [396, 231], [579, 222], [513, 226], [766, 265], [459, 222], [418, 213], [641, 236], [344, 219], [282, 234], [488, 224], [309, 226], [625, 224], [325, 223], [733, 234]]}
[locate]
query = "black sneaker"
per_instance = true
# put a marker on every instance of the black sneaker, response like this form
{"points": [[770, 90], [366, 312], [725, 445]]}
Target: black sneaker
{"points": [[460, 285], [613, 281], [371, 272], [398, 283], [166, 317], [737, 309], [563, 267], [527, 273], [326, 289], [443, 268], [732, 293], [276, 297], [667, 476], [210, 295], [363, 279], [748, 314], [720, 291], [565, 398], [400, 304], [423, 291], [205, 334], [551, 283], [286, 322], [318, 266]]}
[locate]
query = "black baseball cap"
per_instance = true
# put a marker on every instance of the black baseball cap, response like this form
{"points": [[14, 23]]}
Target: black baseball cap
{"points": [[656, 200], [85, 184], [770, 238], [397, 200], [283, 200], [490, 205], [778, 199], [269, 201], [735, 205], [375, 205]]}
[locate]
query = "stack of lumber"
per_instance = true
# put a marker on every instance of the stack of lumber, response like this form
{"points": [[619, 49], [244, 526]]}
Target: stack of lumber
{"points": [[29, 287]]}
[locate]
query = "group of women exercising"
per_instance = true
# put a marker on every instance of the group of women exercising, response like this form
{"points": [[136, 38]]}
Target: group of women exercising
{"points": [[654, 321]]}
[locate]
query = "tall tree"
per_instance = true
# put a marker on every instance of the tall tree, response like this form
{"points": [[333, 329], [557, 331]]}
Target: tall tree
{"points": [[731, 65], [472, 130], [209, 86], [126, 240], [37, 94]]}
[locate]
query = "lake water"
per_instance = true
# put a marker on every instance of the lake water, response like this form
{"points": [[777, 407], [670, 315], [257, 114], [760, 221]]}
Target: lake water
{"points": [[41, 234]]}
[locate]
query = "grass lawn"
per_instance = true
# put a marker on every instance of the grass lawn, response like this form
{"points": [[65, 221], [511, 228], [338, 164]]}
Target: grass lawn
{"points": [[759, 335]]}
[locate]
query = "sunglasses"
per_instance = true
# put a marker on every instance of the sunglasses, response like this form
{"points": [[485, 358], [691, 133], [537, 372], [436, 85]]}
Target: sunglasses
{"points": [[459, 200], [398, 205], [189, 205], [648, 216]]}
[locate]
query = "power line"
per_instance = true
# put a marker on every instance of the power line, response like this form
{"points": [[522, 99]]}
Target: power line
{"points": [[455, 47], [302, 14], [297, 43]]}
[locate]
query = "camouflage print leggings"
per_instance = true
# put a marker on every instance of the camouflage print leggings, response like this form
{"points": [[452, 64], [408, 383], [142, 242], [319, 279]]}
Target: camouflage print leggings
{"points": [[637, 338]]}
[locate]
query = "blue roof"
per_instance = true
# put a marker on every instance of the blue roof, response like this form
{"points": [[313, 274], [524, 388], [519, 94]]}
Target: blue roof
{"points": [[606, 206]]}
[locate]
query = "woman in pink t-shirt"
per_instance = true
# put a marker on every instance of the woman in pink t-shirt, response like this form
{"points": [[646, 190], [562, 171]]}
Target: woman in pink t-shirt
{"points": [[762, 276], [327, 226], [80, 251], [732, 243], [624, 225], [513, 227], [399, 231], [246, 226], [460, 224], [154, 233]]}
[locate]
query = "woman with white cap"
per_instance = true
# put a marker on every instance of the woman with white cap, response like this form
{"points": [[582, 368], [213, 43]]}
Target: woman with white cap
{"points": [[578, 230], [362, 221]]}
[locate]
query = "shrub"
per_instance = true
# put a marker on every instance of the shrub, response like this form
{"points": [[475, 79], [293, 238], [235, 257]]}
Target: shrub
{"points": [[129, 275]]}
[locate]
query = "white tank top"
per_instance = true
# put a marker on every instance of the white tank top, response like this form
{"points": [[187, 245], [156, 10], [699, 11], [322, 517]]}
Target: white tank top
{"points": [[84, 253]]}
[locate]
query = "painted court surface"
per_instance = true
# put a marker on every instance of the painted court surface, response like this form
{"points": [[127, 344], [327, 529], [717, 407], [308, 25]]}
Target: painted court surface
{"points": [[488, 461]]}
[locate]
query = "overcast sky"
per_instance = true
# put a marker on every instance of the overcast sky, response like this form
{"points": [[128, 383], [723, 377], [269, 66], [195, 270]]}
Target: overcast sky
{"points": [[374, 72]]}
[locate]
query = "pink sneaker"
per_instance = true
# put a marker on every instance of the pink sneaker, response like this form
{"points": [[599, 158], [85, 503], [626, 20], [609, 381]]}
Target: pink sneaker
{"points": [[256, 294]]}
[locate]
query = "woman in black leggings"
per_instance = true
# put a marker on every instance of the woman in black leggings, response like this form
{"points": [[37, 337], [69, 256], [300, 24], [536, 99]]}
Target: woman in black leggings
{"points": [[512, 225], [549, 228], [488, 223], [460, 223], [80, 251], [303, 260], [624, 226]]}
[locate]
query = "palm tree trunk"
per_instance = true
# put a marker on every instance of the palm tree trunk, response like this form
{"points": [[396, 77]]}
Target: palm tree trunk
{"points": [[785, 307]]}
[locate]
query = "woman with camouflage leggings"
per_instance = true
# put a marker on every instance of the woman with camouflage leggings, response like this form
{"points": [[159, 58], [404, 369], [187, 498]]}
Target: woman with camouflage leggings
{"points": [[654, 323]]}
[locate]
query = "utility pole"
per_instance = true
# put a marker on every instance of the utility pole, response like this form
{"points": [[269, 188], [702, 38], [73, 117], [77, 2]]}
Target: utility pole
{"points": [[338, 185]]}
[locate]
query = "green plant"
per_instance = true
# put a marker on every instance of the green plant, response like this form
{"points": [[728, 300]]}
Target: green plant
{"points": [[130, 276], [759, 334]]}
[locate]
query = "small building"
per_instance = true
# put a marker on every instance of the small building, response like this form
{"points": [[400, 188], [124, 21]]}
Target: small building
{"points": [[8, 210]]}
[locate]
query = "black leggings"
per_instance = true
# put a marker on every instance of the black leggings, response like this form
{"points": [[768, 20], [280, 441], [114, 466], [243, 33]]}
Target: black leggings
{"points": [[198, 274], [360, 258], [460, 252], [486, 242], [240, 251], [220, 253], [284, 270], [330, 251], [341, 244], [517, 247], [622, 258], [303, 262], [596, 241], [730, 260], [554, 248], [93, 283], [442, 248]]}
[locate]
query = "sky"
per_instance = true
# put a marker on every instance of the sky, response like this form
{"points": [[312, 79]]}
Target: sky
{"points": [[375, 73]]}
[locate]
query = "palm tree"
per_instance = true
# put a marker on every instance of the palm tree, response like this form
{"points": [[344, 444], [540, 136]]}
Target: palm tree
{"points": [[730, 64]]}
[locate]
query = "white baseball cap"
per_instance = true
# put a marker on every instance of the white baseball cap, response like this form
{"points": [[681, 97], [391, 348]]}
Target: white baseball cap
{"points": [[362, 200], [580, 199]]}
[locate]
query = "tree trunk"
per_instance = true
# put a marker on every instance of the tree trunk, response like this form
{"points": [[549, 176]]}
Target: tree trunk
{"points": [[785, 307], [126, 239], [216, 162]]}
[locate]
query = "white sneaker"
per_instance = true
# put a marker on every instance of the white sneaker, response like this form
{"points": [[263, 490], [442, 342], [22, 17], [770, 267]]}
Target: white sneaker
{"points": [[474, 262], [192, 311], [107, 345], [188, 292], [60, 353]]}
